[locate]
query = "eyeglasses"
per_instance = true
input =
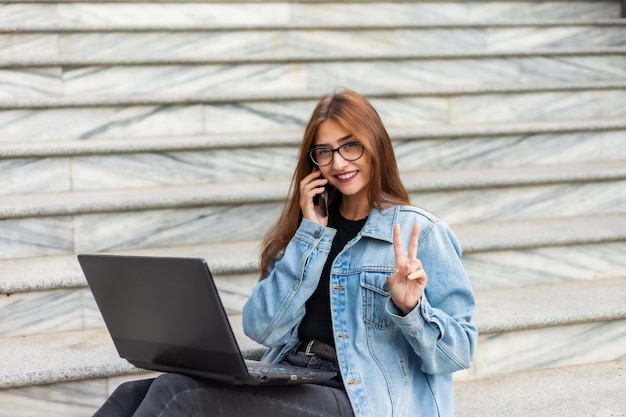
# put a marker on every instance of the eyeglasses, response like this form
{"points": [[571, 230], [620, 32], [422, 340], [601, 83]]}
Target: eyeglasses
{"points": [[350, 151]]}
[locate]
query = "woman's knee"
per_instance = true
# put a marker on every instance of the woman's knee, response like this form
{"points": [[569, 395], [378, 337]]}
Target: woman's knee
{"points": [[133, 389], [169, 385], [176, 395], [125, 399]]}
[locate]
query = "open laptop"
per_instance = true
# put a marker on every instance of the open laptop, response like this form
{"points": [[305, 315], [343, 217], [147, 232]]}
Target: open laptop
{"points": [[165, 314]]}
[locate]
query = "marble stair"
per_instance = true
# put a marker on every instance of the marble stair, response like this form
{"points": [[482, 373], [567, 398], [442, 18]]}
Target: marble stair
{"points": [[171, 128]]}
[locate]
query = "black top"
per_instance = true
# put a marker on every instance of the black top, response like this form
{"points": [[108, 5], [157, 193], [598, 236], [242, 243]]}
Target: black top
{"points": [[317, 322]]}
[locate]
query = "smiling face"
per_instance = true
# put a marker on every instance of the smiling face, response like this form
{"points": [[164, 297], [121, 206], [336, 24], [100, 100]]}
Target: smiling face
{"points": [[350, 178]]}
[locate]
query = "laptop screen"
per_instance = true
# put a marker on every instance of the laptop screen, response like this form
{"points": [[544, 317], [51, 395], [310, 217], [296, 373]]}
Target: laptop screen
{"points": [[163, 311]]}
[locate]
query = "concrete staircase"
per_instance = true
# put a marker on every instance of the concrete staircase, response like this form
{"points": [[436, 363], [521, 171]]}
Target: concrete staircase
{"points": [[171, 128]]}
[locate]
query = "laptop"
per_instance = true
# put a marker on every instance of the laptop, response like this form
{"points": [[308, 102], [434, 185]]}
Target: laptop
{"points": [[165, 314]]}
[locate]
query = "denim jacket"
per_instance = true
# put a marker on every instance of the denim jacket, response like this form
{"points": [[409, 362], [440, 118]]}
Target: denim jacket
{"points": [[392, 365]]}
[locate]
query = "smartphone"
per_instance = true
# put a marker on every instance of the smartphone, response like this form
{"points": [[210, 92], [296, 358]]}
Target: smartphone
{"points": [[320, 200], [323, 203]]}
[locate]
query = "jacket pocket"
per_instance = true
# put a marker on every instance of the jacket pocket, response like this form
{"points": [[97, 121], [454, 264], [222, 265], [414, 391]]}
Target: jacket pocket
{"points": [[375, 293]]}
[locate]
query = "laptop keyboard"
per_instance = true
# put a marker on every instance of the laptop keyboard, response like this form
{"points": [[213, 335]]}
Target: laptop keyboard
{"points": [[260, 367]]}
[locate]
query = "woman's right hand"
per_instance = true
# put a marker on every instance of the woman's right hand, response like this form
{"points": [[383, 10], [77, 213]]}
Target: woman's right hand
{"points": [[310, 186]]}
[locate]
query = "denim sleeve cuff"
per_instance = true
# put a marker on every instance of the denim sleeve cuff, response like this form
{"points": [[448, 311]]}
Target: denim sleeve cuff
{"points": [[411, 321], [310, 232], [415, 319]]}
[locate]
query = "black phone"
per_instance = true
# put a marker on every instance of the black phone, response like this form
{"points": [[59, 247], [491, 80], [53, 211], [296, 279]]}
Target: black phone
{"points": [[320, 200], [323, 203]]}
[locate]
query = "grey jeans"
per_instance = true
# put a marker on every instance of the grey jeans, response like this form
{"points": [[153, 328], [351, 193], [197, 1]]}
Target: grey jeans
{"points": [[172, 395]]}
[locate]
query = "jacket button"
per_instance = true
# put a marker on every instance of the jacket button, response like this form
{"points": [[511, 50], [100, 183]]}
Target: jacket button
{"points": [[316, 234]]}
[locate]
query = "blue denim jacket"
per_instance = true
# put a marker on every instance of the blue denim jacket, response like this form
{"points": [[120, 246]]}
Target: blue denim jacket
{"points": [[392, 365]]}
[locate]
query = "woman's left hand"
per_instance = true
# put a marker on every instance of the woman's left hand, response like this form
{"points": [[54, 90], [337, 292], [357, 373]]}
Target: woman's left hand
{"points": [[408, 281]]}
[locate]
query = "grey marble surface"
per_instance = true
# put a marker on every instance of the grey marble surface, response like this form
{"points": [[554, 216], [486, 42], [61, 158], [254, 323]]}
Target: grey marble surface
{"points": [[69, 399], [163, 228], [144, 222], [514, 150], [556, 390], [289, 44], [550, 347], [36, 237], [34, 175], [32, 82], [362, 73], [543, 306], [64, 223], [550, 326], [517, 338], [185, 15], [74, 309], [104, 122], [183, 168], [546, 265], [41, 312], [441, 107], [518, 203], [572, 260], [262, 163], [228, 261], [69, 356]]}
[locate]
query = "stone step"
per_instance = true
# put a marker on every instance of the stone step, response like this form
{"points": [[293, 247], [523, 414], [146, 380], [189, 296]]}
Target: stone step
{"points": [[97, 15], [533, 252], [418, 184], [227, 260], [510, 194], [71, 80], [549, 392], [125, 117], [76, 355], [570, 24], [541, 131], [80, 25], [493, 253], [574, 391], [551, 324], [49, 294], [57, 223], [111, 164], [43, 167], [293, 45], [70, 377]]}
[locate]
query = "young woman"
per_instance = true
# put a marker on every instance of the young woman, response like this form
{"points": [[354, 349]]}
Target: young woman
{"points": [[353, 279]]}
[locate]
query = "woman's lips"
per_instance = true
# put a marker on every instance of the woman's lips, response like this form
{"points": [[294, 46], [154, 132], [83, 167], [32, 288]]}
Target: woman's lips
{"points": [[345, 177]]}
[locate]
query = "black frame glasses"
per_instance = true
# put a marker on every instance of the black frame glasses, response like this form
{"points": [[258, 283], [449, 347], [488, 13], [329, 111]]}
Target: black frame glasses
{"points": [[358, 148]]}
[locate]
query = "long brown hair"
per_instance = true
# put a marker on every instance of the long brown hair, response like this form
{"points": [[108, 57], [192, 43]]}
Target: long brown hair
{"points": [[358, 117]]}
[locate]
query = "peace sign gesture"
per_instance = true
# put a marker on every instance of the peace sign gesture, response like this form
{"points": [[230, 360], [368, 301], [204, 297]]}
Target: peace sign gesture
{"points": [[408, 281]]}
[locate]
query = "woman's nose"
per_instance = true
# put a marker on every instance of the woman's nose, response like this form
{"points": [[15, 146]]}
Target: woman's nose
{"points": [[338, 161]]}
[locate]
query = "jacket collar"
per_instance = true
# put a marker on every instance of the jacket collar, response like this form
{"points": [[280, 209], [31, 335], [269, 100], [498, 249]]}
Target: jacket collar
{"points": [[379, 224]]}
